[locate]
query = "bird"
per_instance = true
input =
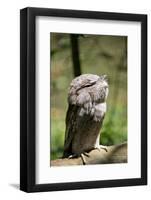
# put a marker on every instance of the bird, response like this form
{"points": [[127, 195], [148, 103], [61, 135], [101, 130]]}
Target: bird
{"points": [[87, 97]]}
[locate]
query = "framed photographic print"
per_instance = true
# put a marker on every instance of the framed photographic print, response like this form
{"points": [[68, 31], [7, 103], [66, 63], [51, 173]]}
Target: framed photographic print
{"points": [[83, 99]]}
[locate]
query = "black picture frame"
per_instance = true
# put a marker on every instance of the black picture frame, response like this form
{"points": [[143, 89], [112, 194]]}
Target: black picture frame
{"points": [[28, 99]]}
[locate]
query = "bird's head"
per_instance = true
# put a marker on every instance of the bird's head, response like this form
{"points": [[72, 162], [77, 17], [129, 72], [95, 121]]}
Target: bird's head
{"points": [[88, 88], [103, 87]]}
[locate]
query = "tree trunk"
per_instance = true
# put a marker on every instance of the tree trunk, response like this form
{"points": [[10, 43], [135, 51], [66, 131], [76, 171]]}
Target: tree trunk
{"points": [[75, 54]]}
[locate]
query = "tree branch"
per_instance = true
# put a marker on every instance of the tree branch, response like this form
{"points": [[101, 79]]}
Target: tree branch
{"points": [[114, 154]]}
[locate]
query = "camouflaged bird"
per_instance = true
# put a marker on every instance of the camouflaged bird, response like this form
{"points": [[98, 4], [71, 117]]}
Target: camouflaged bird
{"points": [[87, 107]]}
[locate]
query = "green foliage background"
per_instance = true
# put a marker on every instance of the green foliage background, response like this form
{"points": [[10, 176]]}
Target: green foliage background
{"points": [[99, 55]]}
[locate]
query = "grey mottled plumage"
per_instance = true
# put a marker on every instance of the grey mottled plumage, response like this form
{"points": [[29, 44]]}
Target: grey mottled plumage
{"points": [[87, 107]]}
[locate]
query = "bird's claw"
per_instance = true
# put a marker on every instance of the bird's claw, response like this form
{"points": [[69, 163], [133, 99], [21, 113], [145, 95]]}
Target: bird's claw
{"points": [[102, 147], [80, 155]]}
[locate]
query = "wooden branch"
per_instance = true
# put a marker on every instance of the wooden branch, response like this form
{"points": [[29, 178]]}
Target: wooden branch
{"points": [[114, 154]]}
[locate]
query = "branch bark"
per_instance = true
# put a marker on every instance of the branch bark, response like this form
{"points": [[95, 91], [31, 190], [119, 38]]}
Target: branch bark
{"points": [[114, 154]]}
